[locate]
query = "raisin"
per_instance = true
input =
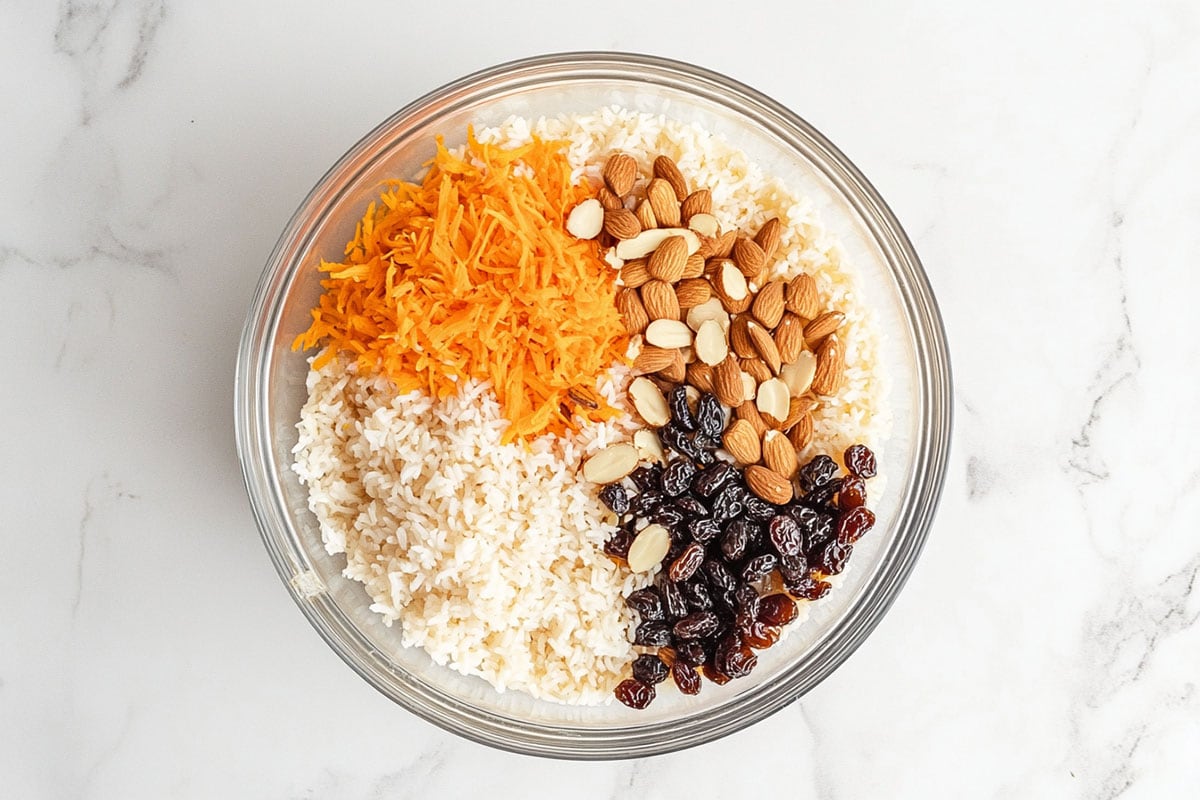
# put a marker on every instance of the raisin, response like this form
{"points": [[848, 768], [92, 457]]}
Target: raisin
{"points": [[821, 497], [853, 524], [615, 497], [833, 557], [646, 477], [719, 577], [618, 544], [735, 539], [715, 675], [758, 509], [710, 419], [758, 567], [852, 493], [793, 568], [634, 693], [713, 478], [647, 603], [821, 534], [860, 461], [734, 658], [807, 588], [785, 535], [692, 652], [777, 609], [687, 563], [677, 477], [747, 606], [697, 625], [691, 506], [697, 595], [676, 438], [681, 414], [674, 604], [669, 517], [686, 678], [817, 472], [653, 634], [727, 504], [649, 669], [705, 442], [760, 636], [704, 530], [645, 502]]}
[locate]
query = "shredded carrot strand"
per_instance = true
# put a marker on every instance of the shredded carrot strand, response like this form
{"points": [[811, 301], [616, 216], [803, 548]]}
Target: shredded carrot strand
{"points": [[471, 274]]}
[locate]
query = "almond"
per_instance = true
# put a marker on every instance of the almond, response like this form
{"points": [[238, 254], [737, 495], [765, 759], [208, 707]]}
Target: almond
{"points": [[676, 371], [749, 257], [649, 548], [798, 375], [634, 273], [611, 464], [668, 334], [711, 345], [724, 245], [691, 292], [700, 375], [756, 369], [705, 311], [608, 200], [797, 408], [827, 377], [647, 242], [653, 359], [633, 313], [689, 353], [768, 236], [621, 223], [822, 326], [620, 173], [648, 446], [667, 262], [768, 304], [586, 220], [801, 297], [764, 345], [730, 286], [739, 337], [649, 402], [727, 382], [748, 412], [694, 267], [704, 224], [779, 455], [659, 299], [698, 202], [801, 433], [666, 169], [767, 484], [749, 385], [773, 399], [789, 337], [742, 442], [645, 216], [662, 199]]}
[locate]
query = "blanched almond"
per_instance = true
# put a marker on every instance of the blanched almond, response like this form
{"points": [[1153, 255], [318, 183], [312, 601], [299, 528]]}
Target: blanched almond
{"points": [[773, 398], [710, 343], [611, 464], [732, 282], [668, 333], [710, 310], [704, 224], [649, 402], [649, 548], [749, 385], [798, 375], [586, 220], [648, 446], [647, 242]]}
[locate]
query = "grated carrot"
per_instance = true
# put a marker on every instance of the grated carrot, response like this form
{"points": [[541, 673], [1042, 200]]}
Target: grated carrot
{"points": [[471, 274]]}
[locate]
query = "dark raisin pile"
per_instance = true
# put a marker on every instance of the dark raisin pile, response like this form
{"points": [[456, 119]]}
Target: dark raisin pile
{"points": [[706, 614]]}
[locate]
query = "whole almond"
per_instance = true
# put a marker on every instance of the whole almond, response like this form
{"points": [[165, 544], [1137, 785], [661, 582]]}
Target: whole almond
{"points": [[691, 292], [742, 442], [586, 220], [768, 304], [768, 484], [610, 464], [620, 173], [633, 313], [822, 326], [700, 375], [649, 402], [676, 371], [764, 345], [663, 201], [768, 236], [694, 267], [756, 369], [827, 378], [668, 261], [789, 337], [727, 382], [749, 257], [712, 346], [666, 169], [634, 273], [797, 408], [609, 200], [748, 412], [724, 244], [621, 223], [778, 454], [801, 433], [660, 301], [801, 297], [739, 337], [645, 216], [698, 202], [668, 334], [653, 359]]}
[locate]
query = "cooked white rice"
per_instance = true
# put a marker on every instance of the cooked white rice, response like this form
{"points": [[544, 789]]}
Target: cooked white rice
{"points": [[489, 555]]}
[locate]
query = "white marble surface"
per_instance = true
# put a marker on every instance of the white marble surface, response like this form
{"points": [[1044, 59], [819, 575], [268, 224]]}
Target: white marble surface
{"points": [[1043, 156]]}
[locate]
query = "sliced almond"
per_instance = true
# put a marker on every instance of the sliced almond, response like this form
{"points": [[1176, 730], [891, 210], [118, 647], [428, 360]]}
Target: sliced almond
{"points": [[694, 267], [610, 258], [704, 224], [647, 242], [789, 337], [768, 236], [691, 292], [800, 298], [773, 398], [611, 464], [645, 216], [823, 326], [755, 368], [653, 359], [649, 548], [621, 223], [620, 173], [768, 484], [778, 454], [700, 375], [742, 442], [768, 304], [649, 402], [739, 337], [586, 220], [800, 434], [667, 262], [648, 446], [661, 197], [732, 282], [689, 353], [633, 313], [798, 375], [668, 333], [660, 301], [749, 385], [748, 412], [727, 382], [668, 170], [698, 202], [749, 257], [711, 345], [827, 377], [634, 273], [764, 345], [711, 309]]}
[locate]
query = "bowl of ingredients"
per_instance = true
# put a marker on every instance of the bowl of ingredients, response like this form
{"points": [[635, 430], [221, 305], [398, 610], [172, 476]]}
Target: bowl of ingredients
{"points": [[593, 406]]}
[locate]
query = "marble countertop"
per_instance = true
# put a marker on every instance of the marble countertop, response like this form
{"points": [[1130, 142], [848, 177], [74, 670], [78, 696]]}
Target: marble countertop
{"points": [[1044, 158]]}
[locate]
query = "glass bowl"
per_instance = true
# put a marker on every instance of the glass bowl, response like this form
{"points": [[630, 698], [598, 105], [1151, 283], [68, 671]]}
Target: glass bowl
{"points": [[270, 389]]}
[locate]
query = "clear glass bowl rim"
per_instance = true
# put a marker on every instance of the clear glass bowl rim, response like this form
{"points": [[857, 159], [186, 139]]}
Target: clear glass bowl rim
{"points": [[933, 381]]}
